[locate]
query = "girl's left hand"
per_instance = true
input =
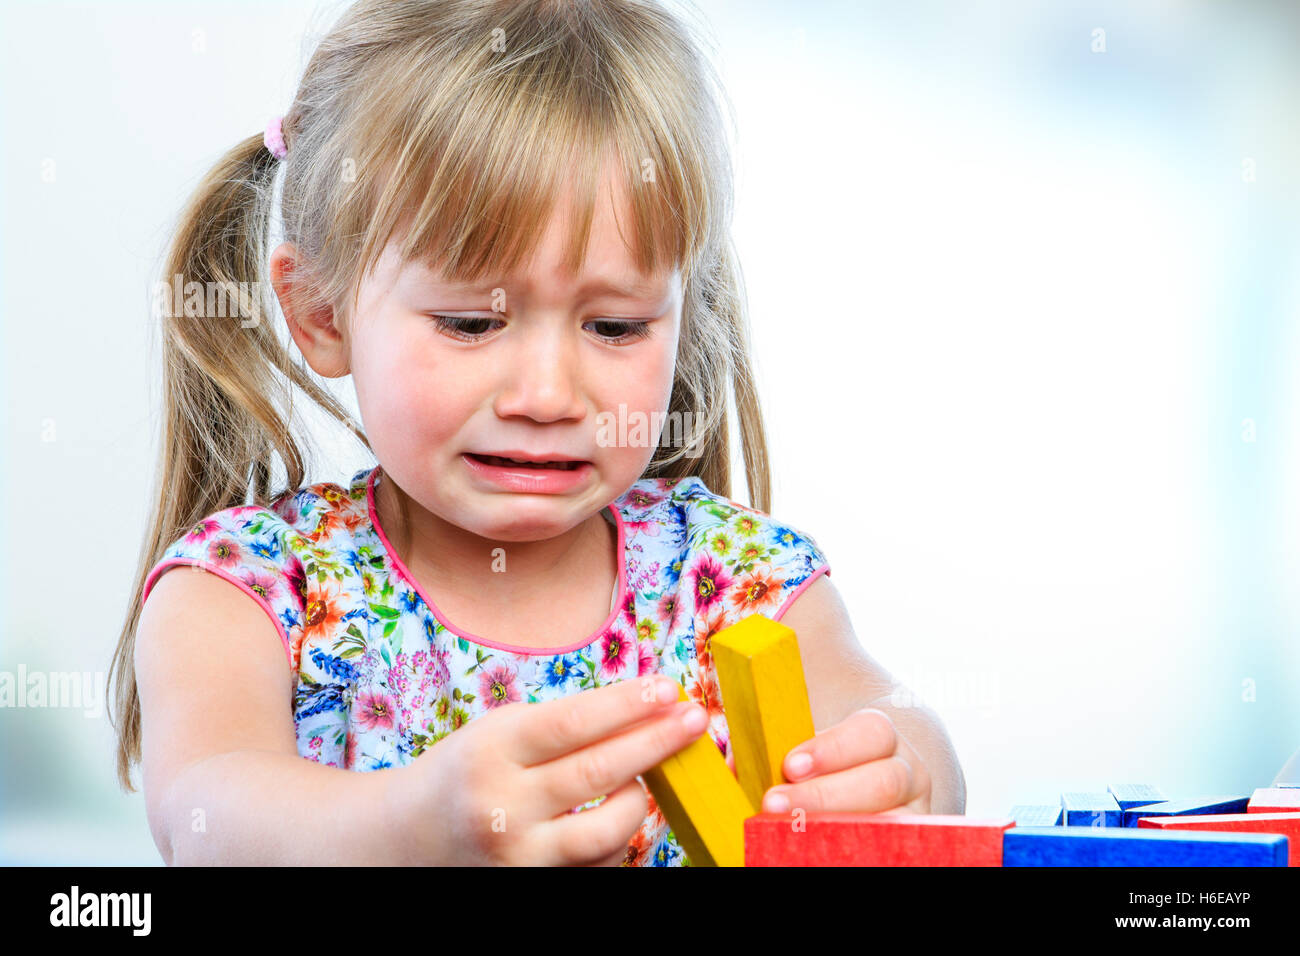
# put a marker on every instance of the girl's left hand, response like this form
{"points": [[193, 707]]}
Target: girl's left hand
{"points": [[861, 764]]}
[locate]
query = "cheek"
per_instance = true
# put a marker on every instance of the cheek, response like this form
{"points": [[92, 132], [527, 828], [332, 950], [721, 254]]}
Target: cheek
{"points": [[645, 389], [643, 386], [404, 392], [655, 384]]}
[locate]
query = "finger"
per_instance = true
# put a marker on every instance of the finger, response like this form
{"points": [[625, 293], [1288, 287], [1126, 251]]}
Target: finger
{"points": [[557, 727], [860, 737], [868, 788], [617, 859], [608, 764], [599, 836]]}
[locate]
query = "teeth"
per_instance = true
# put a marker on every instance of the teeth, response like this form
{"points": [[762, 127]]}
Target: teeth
{"points": [[495, 460]]}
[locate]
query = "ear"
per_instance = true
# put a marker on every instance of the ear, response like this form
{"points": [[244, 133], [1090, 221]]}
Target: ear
{"points": [[324, 347]]}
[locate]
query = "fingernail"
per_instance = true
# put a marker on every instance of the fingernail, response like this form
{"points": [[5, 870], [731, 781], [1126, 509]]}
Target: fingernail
{"points": [[695, 719], [665, 690], [776, 803], [800, 764]]}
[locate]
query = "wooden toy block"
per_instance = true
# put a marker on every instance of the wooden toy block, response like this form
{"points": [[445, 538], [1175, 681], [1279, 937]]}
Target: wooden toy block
{"points": [[1192, 807], [1274, 800], [1090, 809], [702, 802], [1283, 824], [1116, 846], [873, 839], [764, 697], [1129, 795], [1036, 815]]}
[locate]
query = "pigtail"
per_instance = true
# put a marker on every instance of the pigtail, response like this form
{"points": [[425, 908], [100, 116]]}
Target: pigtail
{"points": [[227, 385], [753, 434], [714, 369]]}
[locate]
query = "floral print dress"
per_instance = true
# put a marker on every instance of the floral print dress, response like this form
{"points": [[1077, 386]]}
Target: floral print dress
{"points": [[382, 675]]}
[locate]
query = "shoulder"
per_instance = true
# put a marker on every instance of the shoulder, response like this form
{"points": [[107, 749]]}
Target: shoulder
{"points": [[737, 560], [323, 514], [270, 535], [268, 551]]}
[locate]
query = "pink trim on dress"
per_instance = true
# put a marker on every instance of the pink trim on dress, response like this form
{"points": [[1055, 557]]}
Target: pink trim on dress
{"points": [[213, 569], [400, 567], [824, 569]]}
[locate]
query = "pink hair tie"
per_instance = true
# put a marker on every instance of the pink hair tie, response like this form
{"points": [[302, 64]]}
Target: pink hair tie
{"points": [[274, 138]]}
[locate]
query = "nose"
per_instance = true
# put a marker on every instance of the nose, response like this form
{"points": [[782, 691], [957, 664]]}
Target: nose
{"points": [[541, 379]]}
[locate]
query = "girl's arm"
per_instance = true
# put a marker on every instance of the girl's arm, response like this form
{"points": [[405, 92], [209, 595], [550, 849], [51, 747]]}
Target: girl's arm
{"points": [[222, 778], [842, 679]]}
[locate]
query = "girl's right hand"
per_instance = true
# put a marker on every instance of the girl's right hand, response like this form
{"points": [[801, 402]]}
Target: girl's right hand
{"points": [[500, 790]]}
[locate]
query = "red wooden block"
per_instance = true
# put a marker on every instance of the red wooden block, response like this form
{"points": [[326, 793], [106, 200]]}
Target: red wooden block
{"points": [[1286, 824], [1274, 800], [873, 839]]}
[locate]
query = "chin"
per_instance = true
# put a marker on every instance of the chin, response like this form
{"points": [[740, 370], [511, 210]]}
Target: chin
{"points": [[521, 530]]}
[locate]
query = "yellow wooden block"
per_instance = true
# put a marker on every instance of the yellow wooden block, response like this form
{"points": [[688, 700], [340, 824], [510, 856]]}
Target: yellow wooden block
{"points": [[764, 697], [702, 802]]}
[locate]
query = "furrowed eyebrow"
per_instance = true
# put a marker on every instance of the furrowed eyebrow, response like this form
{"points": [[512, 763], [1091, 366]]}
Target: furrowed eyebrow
{"points": [[627, 290]]}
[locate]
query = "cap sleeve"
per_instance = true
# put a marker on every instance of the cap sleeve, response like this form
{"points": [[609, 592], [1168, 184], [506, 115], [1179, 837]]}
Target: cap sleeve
{"points": [[800, 559], [249, 547], [744, 561]]}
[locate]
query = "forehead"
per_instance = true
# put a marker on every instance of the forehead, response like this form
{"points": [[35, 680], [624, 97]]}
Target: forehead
{"points": [[608, 265]]}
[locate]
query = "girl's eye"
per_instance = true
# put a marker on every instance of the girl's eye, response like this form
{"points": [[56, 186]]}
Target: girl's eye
{"points": [[618, 331], [461, 327], [472, 328]]}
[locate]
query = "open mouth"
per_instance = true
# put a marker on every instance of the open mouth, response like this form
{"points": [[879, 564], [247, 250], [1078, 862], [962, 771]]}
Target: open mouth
{"points": [[515, 463]]}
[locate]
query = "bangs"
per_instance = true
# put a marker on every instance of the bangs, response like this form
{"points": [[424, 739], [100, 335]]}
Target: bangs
{"points": [[483, 146]]}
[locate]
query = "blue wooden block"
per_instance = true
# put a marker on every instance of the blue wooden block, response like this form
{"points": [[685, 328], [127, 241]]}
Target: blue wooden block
{"points": [[1194, 806], [1115, 846], [1091, 810], [1036, 815], [1135, 794]]}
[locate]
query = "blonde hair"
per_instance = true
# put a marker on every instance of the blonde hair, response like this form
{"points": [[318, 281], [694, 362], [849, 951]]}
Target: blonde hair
{"points": [[392, 102]]}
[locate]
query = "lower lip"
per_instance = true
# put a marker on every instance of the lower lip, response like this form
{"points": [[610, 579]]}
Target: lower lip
{"points": [[530, 480]]}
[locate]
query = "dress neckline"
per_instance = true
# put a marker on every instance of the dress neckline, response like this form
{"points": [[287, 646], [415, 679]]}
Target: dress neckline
{"points": [[393, 561]]}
